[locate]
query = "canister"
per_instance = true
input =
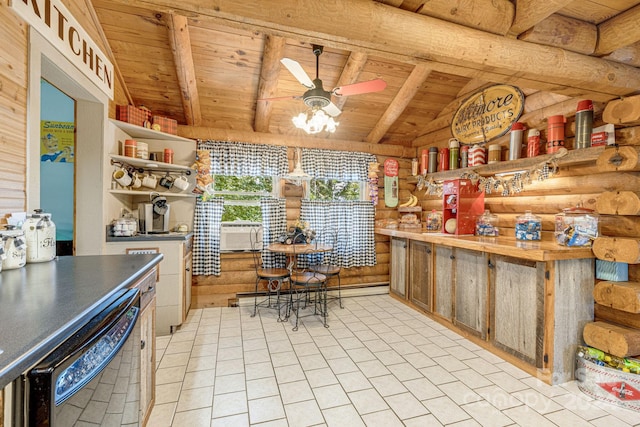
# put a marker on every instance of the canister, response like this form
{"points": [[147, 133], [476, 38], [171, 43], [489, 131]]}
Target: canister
{"points": [[477, 155], [414, 167], [515, 141], [433, 160], [584, 124], [443, 159], [528, 226], [576, 226], [142, 150], [40, 236], [454, 153], [130, 147], [434, 222], [495, 153], [533, 143], [424, 161], [487, 224], [464, 156], [15, 248], [168, 155], [555, 133]]}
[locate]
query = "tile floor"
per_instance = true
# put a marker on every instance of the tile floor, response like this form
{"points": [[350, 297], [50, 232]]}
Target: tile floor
{"points": [[380, 363]]}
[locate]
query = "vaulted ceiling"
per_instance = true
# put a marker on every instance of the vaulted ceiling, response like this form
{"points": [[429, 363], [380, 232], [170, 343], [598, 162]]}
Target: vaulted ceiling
{"points": [[209, 64]]}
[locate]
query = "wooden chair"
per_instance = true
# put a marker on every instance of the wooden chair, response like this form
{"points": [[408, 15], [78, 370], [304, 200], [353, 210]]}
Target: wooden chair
{"points": [[303, 282], [329, 237], [274, 277]]}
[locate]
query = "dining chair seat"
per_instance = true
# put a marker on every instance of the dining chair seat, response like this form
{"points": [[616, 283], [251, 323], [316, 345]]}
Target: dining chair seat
{"points": [[274, 277]]}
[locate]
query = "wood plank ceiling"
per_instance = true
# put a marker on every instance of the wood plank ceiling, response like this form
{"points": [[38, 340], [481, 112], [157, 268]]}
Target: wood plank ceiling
{"points": [[208, 65]]}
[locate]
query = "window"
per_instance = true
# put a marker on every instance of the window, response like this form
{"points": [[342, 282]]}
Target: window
{"points": [[334, 189], [242, 196]]}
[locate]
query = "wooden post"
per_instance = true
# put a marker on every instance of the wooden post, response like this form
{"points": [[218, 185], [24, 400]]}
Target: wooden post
{"points": [[618, 203], [623, 296], [619, 159], [617, 249]]}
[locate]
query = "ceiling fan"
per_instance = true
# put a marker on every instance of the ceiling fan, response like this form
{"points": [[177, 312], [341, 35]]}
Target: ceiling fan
{"points": [[316, 97]]}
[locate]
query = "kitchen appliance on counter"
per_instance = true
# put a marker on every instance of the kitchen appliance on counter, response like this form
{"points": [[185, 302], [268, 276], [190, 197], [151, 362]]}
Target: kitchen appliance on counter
{"points": [[154, 216]]}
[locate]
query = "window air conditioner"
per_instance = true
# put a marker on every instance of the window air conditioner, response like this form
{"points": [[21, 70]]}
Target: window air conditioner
{"points": [[236, 236]]}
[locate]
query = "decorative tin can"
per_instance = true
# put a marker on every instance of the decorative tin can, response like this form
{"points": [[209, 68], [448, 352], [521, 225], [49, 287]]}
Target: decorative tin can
{"points": [[477, 155], [495, 153], [555, 133], [464, 156], [443, 159]]}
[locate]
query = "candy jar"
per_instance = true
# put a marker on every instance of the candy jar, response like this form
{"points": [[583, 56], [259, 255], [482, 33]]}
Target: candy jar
{"points": [[487, 224], [528, 226], [434, 221], [576, 226]]}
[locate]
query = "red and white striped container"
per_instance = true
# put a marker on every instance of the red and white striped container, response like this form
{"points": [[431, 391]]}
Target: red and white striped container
{"points": [[477, 156]]}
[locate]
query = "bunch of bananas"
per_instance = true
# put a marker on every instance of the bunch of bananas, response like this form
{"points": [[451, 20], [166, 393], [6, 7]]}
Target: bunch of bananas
{"points": [[413, 200]]}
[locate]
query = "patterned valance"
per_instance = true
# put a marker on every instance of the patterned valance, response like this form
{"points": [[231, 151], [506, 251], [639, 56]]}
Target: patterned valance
{"points": [[243, 159], [340, 165]]}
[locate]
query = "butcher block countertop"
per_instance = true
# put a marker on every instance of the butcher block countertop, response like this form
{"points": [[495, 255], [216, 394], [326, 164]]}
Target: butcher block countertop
{"points": [[543, 250], [43, 304]]}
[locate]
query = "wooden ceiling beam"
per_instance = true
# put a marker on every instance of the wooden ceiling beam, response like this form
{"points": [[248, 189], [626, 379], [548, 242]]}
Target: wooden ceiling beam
{"points": [[492, 16], [389, 32], [180, 42], [564, 32], [268, 84], [530, 12], [620, 31], [404, 96], [349, 75]]}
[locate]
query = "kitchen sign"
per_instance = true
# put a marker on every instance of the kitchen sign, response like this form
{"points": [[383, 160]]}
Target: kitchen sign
{"points": [[56, 24], [488, 114]]}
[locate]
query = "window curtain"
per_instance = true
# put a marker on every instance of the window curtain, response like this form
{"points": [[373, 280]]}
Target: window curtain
{"points": [[274, 224], [230, 158], [239, 158], [206, 238], [354, 223], [340, 165]]}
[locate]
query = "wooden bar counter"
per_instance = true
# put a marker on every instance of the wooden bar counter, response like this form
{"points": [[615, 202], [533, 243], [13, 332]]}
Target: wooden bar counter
{"points": [[525, 301]]}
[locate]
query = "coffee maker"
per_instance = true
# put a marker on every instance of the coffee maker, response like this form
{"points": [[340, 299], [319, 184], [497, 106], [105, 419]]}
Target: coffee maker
{"points": [[154, 216]]}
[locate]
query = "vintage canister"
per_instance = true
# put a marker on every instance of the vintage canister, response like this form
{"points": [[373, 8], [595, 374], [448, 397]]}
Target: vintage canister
{"points": [[555, 133], [40, 236], [477, 155]]}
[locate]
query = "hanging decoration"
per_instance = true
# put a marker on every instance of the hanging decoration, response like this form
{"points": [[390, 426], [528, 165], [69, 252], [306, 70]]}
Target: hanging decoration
{"points": [[372, 179], [510, 183]]}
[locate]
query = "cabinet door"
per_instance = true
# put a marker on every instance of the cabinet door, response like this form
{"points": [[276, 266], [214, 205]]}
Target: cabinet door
{"points": [[147, 360], [420, 272], [186, 286], [443, 282], [518, 307], [398, 273], [471, 289]]}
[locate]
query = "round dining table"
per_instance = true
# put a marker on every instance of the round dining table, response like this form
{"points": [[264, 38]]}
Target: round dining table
{"points": [[296, 249]]}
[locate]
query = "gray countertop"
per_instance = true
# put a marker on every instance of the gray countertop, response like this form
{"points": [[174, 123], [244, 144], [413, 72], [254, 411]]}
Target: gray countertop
{"points": [[42, 304], [150, 237]]}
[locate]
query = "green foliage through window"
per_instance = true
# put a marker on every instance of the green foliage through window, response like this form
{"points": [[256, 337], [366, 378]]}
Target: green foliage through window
{"points": [[242, 196], [332, 189]]}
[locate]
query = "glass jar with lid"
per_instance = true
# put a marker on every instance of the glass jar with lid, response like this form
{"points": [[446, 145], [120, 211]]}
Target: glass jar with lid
{"points": [[434, 222], [528, 226], [15, 248], [487, 224], [577, 226]]}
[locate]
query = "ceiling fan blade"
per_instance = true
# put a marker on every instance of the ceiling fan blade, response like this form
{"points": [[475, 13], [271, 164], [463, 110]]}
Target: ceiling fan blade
{"points": [[280, 98], [375, 85], [298, 72], [332, 110]]}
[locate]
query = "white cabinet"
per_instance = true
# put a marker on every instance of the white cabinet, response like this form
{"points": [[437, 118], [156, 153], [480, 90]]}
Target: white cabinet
{"points": [[171, 292]]}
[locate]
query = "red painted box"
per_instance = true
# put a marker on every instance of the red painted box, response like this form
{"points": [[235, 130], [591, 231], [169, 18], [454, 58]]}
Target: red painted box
{"points": [[133, 115], [167, 125]]}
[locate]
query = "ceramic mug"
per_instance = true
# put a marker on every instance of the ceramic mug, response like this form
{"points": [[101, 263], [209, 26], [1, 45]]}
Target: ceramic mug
{"points": [[181, 183], [166, 181], [136, 182], [150, 181], [122, 177]]}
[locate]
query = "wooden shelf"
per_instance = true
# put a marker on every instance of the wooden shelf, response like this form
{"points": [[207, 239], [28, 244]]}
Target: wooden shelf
{"points": [[573, 157], [149, 192], [151, 164], [143, 133]]}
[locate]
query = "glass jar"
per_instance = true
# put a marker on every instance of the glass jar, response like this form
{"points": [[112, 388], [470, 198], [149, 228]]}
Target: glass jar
{"points": [[487, 224], [528, 226], [434, 222], [15, 248], [576, 226]]}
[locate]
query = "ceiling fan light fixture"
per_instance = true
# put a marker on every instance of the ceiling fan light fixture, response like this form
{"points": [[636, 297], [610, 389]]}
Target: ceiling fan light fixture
{"points": [[315, 120]]}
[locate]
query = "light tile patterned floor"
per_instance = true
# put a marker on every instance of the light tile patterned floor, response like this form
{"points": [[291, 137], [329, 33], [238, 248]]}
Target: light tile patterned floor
{"points": [[380, 363]]}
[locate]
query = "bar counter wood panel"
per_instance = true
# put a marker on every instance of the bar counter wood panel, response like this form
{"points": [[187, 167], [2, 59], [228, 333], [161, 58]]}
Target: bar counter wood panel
{"points": [[525, 301]]}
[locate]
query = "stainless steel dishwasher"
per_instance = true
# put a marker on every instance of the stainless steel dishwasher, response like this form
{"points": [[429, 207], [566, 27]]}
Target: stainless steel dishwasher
{"points": [[93, 378]]}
